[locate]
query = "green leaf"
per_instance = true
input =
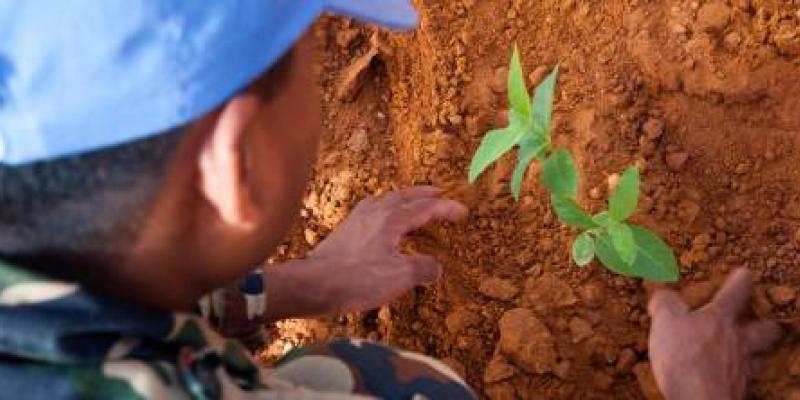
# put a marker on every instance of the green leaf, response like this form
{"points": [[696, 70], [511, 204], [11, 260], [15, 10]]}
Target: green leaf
{"points": [[622, 239], [559, 174], [543, 102], [494, 144], [516, 121], [518, 96], [655, 260], [583, 249], [570, 213], [625, 197], [601, 218], [608, 256], [529, 149]]}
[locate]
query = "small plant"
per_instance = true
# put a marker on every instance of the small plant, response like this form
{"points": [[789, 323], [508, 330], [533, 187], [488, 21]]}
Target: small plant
{"points": [[528, 126], [624, 248]]}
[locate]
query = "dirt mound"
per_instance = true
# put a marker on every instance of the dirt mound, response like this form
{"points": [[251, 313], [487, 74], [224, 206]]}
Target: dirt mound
{"points": [[701, 95]]}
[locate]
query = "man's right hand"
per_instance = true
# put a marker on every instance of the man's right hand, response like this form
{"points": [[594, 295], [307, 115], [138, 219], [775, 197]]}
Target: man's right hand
{"points": [[361, 265], [708, 353]]}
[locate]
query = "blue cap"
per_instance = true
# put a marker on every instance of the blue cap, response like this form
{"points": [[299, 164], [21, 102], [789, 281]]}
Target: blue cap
{"points": [[80, 75]]}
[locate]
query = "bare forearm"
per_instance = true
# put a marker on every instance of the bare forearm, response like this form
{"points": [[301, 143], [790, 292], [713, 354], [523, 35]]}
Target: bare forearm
{"points": [[296, 290]]}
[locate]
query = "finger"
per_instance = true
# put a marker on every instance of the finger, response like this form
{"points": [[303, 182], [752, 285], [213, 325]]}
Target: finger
{"points": [[425, 270], [760, 335], [734, 294], [419, 213], [665, 303], [408, 194]]}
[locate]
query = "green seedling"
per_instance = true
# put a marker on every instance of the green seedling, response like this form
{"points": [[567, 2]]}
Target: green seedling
{"points": [[624, 248], [528, 126]]}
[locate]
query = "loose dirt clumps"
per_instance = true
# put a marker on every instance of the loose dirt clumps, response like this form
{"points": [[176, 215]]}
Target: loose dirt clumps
{"points": [[782, 295], [546, 292], [461, 319], [713, 17], [701, 95], [527, 341], [499, 289]]}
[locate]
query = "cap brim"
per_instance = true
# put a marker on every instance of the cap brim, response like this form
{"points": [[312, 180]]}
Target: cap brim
{"points": [[394, 14]]}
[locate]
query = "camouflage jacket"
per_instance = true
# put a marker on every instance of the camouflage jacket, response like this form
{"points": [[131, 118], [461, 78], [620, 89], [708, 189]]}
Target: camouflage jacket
{"points": [[60, 341]]}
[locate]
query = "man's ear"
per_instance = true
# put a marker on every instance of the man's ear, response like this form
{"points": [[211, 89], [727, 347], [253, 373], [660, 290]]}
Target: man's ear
{"points": [[222, 164]]}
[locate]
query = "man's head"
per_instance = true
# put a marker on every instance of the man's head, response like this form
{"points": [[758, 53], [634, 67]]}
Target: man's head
{"points": [[176, 214], [91, 193]]}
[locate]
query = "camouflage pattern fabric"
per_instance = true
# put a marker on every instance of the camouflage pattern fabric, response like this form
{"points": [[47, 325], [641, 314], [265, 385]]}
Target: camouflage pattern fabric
{"points": [[59, 341]]}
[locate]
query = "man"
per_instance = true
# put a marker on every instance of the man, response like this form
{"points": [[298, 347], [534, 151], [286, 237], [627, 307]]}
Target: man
{"points": [[155, 150]]}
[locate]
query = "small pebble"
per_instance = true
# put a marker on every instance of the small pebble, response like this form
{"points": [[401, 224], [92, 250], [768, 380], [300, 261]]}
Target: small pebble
{"points": [[714, 16], [653, 128], [498, 370], [676, 161], [596, 193], [679, 29], [580, 329], [593, 294], [497, 288], [781, 295], [733, 40], [311, 237], [358, 141], [459, 320], [536, 77]]}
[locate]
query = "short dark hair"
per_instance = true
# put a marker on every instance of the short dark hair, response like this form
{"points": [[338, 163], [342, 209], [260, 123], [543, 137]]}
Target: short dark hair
{"points": [[86, 208], [92, 203]]}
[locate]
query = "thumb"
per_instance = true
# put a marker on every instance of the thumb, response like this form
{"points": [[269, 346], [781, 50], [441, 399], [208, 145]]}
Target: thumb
{"points": [[425, 270]]}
